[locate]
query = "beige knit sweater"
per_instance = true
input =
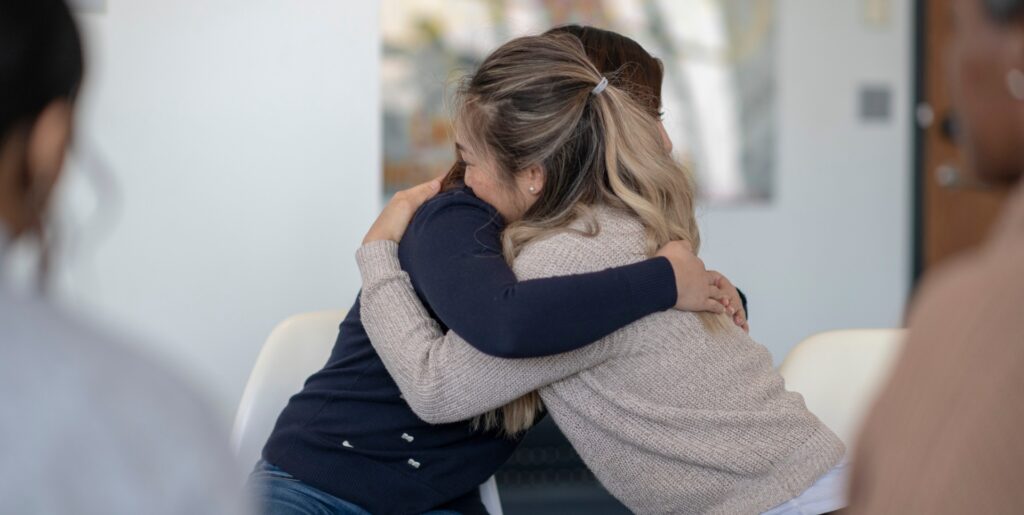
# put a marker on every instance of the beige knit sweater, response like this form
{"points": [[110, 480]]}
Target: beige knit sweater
{"points": [[670, 417]]}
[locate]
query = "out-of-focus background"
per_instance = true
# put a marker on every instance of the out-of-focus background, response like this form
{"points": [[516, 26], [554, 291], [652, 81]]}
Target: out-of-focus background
{"points": [[243, 139], [229, 160]]}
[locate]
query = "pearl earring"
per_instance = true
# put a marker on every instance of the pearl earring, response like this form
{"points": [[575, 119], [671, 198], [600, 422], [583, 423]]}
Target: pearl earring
{"points": [[533, 190], [1015, 83]]}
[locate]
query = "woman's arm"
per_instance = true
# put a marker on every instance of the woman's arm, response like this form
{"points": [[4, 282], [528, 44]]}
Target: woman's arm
{"points": [[443, 378], [452, 253]]}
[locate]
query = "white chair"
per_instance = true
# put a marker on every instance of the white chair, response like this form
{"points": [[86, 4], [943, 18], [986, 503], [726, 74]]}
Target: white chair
{"points": [[295, 349], [839, 373]]}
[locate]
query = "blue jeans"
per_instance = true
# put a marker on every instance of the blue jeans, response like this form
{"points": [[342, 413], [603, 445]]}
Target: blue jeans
{"points": [[276, 492]]}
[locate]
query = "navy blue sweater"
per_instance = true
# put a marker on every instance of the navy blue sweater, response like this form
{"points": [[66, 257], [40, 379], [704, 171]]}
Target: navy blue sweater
{"points": [[350, 434]]}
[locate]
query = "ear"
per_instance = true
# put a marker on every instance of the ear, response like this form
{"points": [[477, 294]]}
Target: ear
{"points": [[47, 144], [533, 177]]}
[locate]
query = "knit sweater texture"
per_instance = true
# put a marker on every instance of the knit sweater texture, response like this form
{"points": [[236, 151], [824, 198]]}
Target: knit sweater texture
{"points": [[671, 414]]}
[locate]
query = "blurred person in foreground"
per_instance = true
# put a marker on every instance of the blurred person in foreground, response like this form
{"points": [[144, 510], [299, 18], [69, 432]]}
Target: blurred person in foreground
{"points": [[87, 425], [945, 434]]}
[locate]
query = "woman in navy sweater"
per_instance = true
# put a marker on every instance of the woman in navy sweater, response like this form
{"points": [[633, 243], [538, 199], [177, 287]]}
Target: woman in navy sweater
{"points": [[348, 443]]}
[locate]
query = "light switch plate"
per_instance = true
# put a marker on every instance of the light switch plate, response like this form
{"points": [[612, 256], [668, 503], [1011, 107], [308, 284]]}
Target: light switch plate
{"points": [[875, 103]]}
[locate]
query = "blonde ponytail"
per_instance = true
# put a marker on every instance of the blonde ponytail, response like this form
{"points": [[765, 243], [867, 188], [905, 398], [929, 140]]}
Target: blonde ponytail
{"points": [[540, 100]]}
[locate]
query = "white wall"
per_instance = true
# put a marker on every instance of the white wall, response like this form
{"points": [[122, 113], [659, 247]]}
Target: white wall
{"points": [[244, 137], [832, 249]]}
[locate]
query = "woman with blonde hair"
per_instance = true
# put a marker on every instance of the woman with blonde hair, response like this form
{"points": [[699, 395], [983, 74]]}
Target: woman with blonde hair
{"points": [[676, 412]]}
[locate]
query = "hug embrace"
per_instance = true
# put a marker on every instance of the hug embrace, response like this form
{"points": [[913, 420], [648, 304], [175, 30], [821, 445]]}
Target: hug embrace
{"points": [[553, 270]]}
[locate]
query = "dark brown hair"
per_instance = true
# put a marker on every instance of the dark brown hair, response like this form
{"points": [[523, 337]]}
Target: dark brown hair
{"points": [[1004, 10], [40, 59], [626, 63]]}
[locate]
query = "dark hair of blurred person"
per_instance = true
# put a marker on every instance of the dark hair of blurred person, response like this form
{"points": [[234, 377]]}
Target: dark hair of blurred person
{"points": [[944, 434], [40, 73], [88, 424]]}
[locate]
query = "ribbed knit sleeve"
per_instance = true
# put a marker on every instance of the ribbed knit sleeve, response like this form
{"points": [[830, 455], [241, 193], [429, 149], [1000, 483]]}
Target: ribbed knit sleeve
{"points": [[442, 377]]}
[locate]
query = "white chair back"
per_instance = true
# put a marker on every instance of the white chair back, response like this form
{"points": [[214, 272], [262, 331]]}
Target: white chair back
{"points": [[295, 349], [839, 373]]}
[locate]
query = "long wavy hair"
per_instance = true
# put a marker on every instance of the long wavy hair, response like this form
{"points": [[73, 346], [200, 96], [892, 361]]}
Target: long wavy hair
{"points": [[531, 102]]}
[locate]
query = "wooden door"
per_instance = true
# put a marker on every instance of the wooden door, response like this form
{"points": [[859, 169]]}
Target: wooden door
{"points": [[955, 212]]}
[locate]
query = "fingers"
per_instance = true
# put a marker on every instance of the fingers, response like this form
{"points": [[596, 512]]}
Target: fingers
{"points": [[740, 320], [722, 298], [730, 308], [419, 194], [394, 219], [713, 306], [735, 301], [718, 294], [717, 278]]}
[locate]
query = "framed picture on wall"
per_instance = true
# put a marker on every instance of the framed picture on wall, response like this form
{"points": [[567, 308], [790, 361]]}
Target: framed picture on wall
{"points": [[718, 92]]}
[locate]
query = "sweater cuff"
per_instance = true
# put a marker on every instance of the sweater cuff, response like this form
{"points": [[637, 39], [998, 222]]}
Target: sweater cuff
{"points": [[378, 260], [653, 284]]}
